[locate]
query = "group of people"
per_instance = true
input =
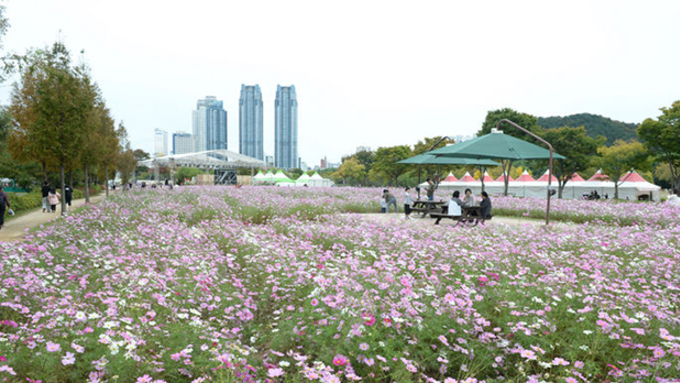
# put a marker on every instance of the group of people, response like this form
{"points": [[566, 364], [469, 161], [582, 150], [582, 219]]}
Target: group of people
{"points": [[51, 197], [455, 205]]}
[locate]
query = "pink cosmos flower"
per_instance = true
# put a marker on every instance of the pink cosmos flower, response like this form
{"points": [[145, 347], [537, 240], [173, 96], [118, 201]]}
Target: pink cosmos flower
{"points": [[579, 364], [144, 379], [53, 347], [369, 319], [560, 362], [528, 354], [315, 302], [364, 346], [274, 372], [340, 360], [69, 358]]}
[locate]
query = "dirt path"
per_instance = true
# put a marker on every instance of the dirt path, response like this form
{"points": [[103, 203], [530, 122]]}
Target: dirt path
{"points": [[496, 221], [14, 229]]}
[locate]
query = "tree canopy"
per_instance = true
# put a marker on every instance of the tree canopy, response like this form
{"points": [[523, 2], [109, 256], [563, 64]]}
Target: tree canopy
{"points": [[595, 126], [616, 160], [662, 137]]}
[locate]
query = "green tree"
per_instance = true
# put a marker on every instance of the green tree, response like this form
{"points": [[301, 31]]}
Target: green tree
{"points": [[596, 126], [576, 145], [126, 165], [620, 158], [386, 166], [350, 172], [524, 120], [51, 98], [662, 137], [184, 173]]}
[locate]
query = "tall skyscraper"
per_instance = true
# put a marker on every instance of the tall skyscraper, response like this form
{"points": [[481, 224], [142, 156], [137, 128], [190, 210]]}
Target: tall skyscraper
{"points": [[250, 122], [209, 125], [285, 129], [182, 143], [160, 143]]}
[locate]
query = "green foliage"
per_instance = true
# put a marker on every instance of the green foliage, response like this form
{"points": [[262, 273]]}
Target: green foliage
{"points": [[386, 166], [574, 144], [595, 126], [662, 137], [524, 120], [351, 172], [620, 158]]}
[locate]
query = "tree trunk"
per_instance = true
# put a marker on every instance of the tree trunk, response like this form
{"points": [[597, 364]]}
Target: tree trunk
{"points": [[507, 176], [616, 189], [87, 186], [70, 179], [44, 169], [560, 186], [106, 179], [63, 188]]}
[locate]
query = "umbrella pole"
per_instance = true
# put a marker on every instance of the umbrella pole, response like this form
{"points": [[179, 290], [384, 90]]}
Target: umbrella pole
{"points": [[418, 174], [547, 208], [483, 170]]}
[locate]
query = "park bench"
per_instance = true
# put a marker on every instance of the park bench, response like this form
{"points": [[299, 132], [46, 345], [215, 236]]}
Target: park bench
{"points": [[470, 215], [424, 207]]}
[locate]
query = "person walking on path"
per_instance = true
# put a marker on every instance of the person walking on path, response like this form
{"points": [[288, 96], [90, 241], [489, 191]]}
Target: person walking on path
{"points": [[45, 193], [53, 199], [4, 204], [408, 200], [68, 195], [391, 201]]}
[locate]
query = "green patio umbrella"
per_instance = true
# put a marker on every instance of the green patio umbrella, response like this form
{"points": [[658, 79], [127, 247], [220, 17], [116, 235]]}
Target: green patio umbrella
{"points": [[429, 159], [499, 146], [496, 145]]}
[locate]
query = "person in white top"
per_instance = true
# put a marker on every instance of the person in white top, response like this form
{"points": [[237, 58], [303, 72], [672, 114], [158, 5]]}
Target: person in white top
{"points": [[673, 198], [469, 200], [408, 200]]}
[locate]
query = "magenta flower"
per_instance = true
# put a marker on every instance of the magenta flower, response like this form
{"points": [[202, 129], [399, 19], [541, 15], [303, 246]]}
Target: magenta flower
{"points": [[53, 347], [340, 360]]}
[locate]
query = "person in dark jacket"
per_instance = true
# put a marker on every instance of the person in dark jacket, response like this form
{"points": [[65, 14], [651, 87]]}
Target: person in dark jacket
{"points": [[485, 205], [4, 204], [45, 193], [68, 195]]}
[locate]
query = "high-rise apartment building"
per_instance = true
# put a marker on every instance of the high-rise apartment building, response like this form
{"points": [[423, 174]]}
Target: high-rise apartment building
{"points": [[160, 143], [251, 142], [209, 125], [182, 143], [285, 128]]}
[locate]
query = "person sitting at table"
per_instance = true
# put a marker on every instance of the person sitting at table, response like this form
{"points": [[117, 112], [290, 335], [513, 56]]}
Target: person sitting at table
{"points": [[469, 200], [485, 205], [455, 204]]}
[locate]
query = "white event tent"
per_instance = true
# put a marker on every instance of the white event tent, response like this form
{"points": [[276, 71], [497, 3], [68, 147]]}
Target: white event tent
{"points": [[631, 186]]}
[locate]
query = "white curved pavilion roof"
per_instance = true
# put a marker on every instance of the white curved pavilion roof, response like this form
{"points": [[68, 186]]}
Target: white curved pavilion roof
{"points": [[210, 159]]}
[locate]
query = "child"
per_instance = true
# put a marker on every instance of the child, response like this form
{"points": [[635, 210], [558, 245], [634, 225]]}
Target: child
{"points": [[407, 202], [53, 199], [383, 204]]}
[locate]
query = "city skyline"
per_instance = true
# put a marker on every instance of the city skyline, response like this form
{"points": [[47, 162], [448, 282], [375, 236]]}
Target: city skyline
{"points": [[400, 74], [251, 139]]}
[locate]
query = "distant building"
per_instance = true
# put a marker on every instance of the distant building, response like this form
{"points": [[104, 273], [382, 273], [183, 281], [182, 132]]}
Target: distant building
{"points": [[251, 142], [209, 125], [324, 163], [304, 166], [363, 149], [182, 143], [286, 128], [269, 161], [160, 143]]}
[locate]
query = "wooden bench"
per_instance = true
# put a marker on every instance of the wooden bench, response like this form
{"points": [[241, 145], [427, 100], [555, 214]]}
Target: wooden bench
{"points": [[426, 207], [469, 215]]}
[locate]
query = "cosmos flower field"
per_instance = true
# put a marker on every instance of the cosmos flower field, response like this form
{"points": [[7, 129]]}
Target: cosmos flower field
{"points": [[271, 284]]}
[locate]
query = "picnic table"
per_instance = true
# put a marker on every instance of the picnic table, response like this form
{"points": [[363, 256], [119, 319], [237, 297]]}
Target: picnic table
{"points": [[469, 215], [425, 207]]}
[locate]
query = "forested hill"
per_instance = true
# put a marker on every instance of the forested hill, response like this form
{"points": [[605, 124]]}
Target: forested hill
{"points": [[595, 126]]}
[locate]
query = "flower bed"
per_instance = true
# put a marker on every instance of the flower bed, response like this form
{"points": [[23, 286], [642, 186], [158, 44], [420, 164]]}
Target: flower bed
{"points": [[256, 284]]}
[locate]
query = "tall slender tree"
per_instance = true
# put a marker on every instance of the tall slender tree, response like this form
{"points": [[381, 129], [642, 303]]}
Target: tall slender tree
{"points": [[50, 107]]}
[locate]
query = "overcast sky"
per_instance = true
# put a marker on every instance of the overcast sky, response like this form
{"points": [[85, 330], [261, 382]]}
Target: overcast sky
{"points": [[375, 73]]}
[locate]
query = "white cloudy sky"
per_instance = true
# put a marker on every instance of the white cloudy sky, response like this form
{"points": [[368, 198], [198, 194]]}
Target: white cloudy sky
{"points": [[373, 73]]}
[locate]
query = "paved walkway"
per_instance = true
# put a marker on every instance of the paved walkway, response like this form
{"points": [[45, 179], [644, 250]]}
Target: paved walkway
{"points": [[15, 228]]}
